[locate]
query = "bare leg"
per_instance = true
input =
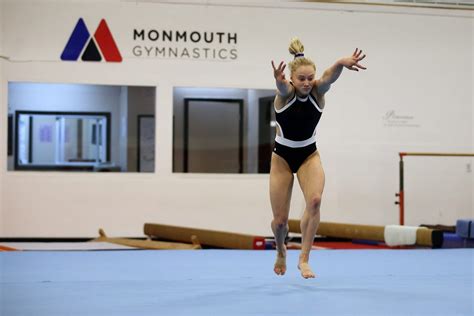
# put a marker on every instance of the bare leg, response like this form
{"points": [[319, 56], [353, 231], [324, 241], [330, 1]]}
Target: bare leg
{"points": [[280, 232], [309, 226], [311, 179], [281, 184]]}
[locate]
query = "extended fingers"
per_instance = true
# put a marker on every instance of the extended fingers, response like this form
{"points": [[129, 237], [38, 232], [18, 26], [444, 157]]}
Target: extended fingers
{"points": [[356, 59], [357, 54], [281, 66]]}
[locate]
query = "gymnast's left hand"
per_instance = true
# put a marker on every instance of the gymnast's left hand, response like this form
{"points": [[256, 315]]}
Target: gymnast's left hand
{"points": [[352, 62]]}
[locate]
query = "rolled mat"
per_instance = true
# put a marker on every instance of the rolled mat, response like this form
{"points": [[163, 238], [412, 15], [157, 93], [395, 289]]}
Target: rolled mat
{"points": [[206, 237], [463, 228], [451, 240], [424, 236]]}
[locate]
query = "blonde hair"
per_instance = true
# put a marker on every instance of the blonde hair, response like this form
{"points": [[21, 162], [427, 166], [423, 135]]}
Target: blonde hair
{"points": [[296, 49]]}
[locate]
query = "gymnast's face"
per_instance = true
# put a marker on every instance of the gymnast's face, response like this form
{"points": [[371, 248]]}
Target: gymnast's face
{"points": [[303, 78]]}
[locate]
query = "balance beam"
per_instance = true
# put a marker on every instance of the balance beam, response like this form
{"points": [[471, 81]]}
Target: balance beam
{"points": [[206, 237], [424, 236], [149, 244]]}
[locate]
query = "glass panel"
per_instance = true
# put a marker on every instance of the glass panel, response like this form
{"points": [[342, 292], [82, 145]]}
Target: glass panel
{"points": [[83, 141], [62, 140], [217, 130], [100, 134]]}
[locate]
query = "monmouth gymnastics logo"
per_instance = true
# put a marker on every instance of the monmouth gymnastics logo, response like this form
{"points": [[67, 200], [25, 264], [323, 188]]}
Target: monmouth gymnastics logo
{"points": [[101, 44]]}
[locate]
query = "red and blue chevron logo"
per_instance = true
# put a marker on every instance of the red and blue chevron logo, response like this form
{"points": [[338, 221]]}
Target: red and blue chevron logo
{"points": [[101, 44]]}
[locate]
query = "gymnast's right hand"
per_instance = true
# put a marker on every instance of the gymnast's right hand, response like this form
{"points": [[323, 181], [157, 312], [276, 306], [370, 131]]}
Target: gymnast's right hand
{"points": [[279, 73]]}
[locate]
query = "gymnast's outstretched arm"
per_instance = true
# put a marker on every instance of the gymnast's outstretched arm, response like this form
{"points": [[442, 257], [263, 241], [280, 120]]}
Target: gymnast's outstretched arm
{"points": [[331, 74]]}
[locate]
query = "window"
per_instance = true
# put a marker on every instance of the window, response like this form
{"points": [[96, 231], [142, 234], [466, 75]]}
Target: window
{"points": [[79, 127], [59, 140], [222, 130]]}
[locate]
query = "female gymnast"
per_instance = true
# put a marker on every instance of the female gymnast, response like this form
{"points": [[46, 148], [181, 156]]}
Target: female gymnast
{"points": [[299, 104]]}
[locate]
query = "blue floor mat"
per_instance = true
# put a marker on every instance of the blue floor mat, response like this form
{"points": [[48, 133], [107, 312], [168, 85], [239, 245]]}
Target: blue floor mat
{"points": [[236, 282]]}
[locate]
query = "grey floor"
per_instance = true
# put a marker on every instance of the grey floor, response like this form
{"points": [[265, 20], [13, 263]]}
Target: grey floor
{"points": [[234, 282]]}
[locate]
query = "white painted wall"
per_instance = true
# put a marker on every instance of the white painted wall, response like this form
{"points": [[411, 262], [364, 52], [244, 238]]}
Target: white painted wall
{"points": [[419, 66]]}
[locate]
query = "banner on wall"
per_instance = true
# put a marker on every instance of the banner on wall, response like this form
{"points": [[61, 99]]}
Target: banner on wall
{"points": [[149, 43]]}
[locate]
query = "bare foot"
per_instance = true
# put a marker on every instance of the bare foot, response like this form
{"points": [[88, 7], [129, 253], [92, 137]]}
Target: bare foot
{"points": [[306, 271], [280, 263]]}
